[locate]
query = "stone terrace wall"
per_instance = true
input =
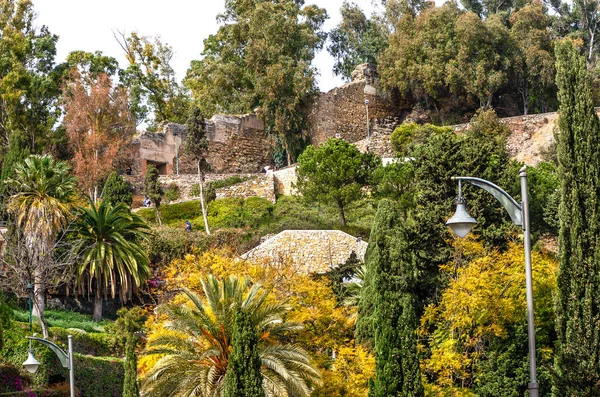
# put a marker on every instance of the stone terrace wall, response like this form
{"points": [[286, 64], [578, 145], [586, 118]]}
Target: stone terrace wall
{"points": [[312, 251], [531, 136], [285, 180], [342, 110], [263, 186]]}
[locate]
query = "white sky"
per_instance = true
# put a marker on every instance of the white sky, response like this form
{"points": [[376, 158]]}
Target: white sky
{"points": [[183, 24]]}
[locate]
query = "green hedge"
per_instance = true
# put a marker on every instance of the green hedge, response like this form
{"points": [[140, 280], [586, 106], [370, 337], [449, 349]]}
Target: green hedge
{"points": [[37, 393], [98, 376], [90, 343]]}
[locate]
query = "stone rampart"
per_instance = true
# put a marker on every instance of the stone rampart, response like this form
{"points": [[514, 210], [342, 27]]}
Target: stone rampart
{"points": [[262, 186], [312, 251], [236, 144], [342, 111]]}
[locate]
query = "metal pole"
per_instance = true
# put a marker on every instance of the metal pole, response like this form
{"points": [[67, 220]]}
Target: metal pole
{"points": [[71, 369], [533, 384]]}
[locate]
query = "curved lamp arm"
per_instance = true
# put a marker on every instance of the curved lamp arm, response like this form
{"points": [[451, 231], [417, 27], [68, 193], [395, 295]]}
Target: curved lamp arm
{"points": [[62, 355], [514, 209]]}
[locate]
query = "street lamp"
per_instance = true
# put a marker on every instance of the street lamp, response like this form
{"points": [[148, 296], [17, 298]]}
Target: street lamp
{"points": [[461, 223], [66, 359]]}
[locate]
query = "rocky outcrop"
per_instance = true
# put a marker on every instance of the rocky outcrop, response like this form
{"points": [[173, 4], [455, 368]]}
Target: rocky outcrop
{"points": [[311, 251]]}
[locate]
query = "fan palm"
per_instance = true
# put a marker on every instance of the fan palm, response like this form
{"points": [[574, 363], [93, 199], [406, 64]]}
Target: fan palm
{"points": [[112, 257], [43, 190], [195, 351]]}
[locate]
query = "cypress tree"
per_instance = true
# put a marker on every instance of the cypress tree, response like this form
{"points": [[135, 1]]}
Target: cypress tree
{"points": [[130, 322], [117, 190], [392, 264], [243, 377], [130, 385], [577, 359]]}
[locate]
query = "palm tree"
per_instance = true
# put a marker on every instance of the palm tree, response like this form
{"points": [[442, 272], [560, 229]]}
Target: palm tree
{"points": [[43, 190], [193, 354], [112, 257]]}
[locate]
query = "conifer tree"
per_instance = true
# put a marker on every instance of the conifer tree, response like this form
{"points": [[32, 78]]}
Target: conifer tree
{"points": [[128, 324], [196, 148], [393, 265], [243, 377], [117, 190], [577, 360], [153, 190]]}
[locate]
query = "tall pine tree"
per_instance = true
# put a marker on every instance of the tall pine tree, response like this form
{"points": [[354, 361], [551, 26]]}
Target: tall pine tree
{"points": [[243, 377], [392, 264], [577, 360]]}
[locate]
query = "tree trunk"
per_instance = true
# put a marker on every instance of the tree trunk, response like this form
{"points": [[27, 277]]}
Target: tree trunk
{"points": [[342, 216], [38, 301], [204, 215], [157, 215], [97, 308]]}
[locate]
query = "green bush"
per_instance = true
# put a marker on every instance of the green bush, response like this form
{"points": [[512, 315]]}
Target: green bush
{"points": [[172, 192], [226, 213], [173, 214], [38, 393], [10, 379], [168, 244], [98, 376], [90, 343]]}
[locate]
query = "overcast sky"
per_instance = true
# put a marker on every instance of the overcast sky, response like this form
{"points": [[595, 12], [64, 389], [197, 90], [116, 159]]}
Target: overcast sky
{"points": [[183, 24]]}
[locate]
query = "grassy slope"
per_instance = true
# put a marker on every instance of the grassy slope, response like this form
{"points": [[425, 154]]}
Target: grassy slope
{"points": [[260, 217]]}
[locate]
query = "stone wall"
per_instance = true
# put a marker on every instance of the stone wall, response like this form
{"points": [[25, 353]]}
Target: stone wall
{"points": [[236, 144], [312, 251], [530, 137], [285, 181], [342, 112], [262, 186]]}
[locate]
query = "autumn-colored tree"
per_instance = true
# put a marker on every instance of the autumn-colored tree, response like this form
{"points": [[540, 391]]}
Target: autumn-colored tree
{"points": [[479, 315], [99, 125], [327, 325]]}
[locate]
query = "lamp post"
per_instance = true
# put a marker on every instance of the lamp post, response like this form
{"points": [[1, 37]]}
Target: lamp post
{"points": [[66, 359], [462, 223]]}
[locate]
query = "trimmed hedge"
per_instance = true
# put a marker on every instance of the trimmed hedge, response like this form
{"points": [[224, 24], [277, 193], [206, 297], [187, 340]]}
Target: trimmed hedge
{"points": [[38, 393], [98, 376]]}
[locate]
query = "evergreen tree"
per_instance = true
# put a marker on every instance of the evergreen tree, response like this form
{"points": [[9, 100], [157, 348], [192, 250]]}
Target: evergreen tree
{"points": [[577, 360], [117, 190], [196, 147], [128, 324], [243, 377], [153, 190], [393, 264]]}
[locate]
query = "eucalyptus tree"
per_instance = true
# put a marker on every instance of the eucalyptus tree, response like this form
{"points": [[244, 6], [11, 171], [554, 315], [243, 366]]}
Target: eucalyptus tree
{"points": [[260, 59]]}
